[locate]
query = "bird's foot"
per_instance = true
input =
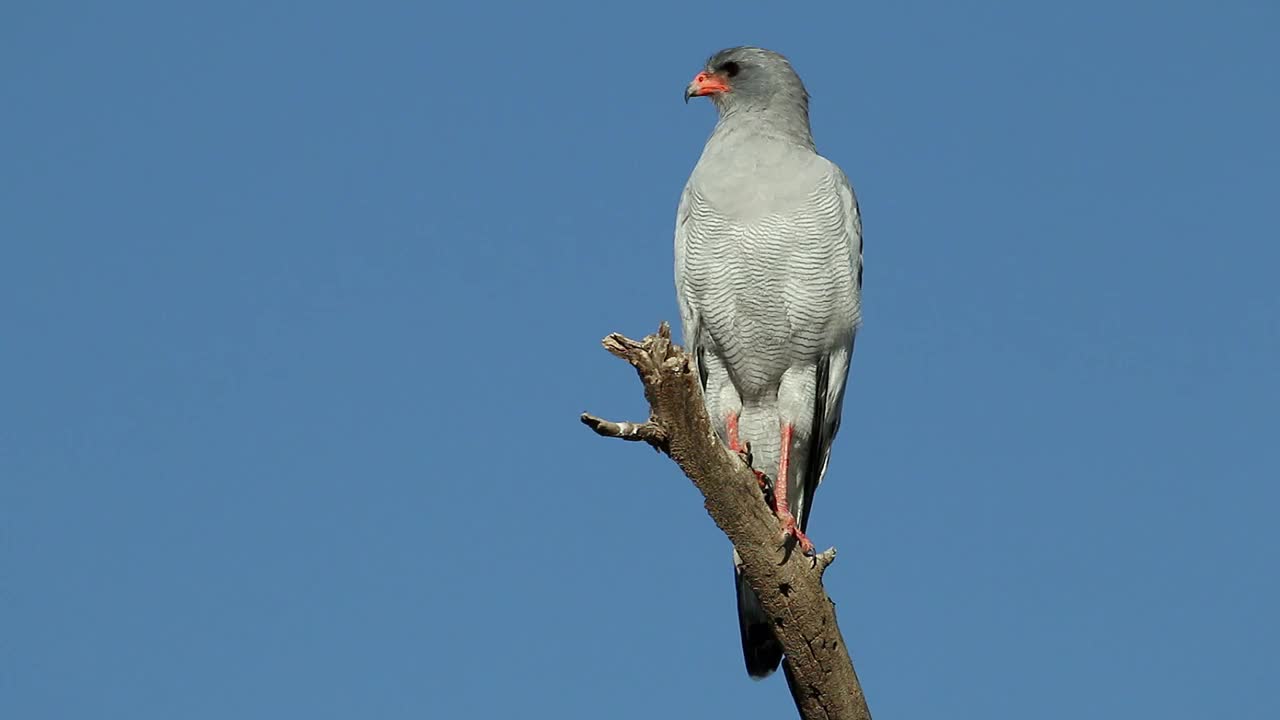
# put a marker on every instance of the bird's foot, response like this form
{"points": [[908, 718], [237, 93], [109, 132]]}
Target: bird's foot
{"points": [[791, 530], [766, 485], [766, 489]]}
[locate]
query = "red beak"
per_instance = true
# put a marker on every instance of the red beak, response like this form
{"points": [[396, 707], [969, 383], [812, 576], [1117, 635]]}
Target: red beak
{"points": [[704, 83]]}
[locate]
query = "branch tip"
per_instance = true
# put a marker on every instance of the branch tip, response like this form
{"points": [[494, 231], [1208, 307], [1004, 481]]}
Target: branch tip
{"points": [[648, 431], [823, 560]]}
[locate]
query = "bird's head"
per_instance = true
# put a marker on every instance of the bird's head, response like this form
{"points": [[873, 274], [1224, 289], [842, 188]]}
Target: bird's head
{"points": [[748, 77]]}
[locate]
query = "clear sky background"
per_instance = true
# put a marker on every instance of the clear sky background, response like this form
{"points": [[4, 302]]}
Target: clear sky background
{"points": [[300, 303]]}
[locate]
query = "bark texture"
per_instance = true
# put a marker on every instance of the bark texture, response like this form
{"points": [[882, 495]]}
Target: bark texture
{"points": [[818, 669]]}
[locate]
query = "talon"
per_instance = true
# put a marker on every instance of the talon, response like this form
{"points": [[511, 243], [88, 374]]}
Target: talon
{"points": [[790, 529], [766, 489]]}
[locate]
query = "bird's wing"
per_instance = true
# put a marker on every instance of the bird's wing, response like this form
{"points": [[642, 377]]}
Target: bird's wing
{"points": [[833, 367], [689, 328]]}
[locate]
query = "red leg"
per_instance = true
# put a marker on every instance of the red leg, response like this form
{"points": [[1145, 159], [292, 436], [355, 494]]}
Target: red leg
{"points": [[732, 423], [735, 444], [789, 526]]}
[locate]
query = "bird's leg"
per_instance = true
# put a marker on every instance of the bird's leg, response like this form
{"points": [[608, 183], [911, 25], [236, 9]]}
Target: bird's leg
{"points": [[731, 422], [788, 520], [743, 450]]}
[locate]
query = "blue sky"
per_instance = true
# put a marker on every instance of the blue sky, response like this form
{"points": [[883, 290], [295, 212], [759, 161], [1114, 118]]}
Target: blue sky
{"points": [[301, 303]]}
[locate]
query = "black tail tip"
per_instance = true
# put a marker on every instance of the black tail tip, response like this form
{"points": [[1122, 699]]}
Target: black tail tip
{"points": [[761, 650]]}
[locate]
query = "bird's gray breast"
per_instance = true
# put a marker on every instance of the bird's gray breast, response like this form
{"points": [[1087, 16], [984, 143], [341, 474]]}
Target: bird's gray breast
{"points": [[766, 264]]}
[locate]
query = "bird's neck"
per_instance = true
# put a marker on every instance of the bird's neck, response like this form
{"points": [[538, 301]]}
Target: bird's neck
{"points": [[789, 125]]}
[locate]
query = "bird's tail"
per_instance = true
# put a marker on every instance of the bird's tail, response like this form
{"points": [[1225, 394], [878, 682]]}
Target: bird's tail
{"points": [[760, 648]]}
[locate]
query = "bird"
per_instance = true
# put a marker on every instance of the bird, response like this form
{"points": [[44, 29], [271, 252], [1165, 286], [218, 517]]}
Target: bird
{"points": [[768, 275]]}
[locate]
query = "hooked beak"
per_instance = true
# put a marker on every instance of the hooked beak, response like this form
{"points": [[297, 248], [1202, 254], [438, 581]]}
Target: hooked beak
{"points": [[705, 83]]}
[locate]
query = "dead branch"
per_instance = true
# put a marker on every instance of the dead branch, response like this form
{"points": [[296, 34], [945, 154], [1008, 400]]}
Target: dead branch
{"points": [[817, 665]]}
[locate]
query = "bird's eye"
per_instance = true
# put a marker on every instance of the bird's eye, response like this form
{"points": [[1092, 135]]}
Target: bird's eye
{"points": [[730, 68]]}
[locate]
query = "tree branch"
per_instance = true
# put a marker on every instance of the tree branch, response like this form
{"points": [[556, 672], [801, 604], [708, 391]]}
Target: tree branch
{"points": [[789, 584]]}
